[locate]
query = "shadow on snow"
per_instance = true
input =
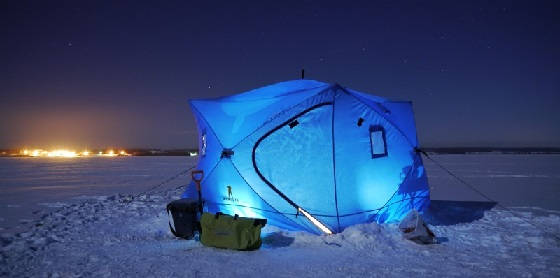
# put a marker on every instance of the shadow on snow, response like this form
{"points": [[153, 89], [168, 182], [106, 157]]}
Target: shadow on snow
{"points": [[445, 213]]}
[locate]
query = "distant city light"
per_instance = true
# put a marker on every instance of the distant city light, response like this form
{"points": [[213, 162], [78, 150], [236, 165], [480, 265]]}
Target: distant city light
{"points": [[95, 152], [68, 153], [62, 153]]}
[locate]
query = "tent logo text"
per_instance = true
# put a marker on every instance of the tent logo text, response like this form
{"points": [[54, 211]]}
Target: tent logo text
{"points": [[230, 195]]}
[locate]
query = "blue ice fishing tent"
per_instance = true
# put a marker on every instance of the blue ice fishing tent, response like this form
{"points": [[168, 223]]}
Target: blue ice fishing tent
{"points": [[309, 156]]}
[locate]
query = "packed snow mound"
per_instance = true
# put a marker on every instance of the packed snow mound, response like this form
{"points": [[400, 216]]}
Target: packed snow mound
{"points": [[125, 235]]}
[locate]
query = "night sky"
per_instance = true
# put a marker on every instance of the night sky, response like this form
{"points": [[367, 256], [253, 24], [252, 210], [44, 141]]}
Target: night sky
{"points": [[97, 74]]}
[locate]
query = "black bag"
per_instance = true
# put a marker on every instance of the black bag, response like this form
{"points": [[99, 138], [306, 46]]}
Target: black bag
{"points": [[183, 220]]}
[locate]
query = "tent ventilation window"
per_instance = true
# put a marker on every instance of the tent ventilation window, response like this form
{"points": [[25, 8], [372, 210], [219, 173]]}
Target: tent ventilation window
{"points": [[377, 141]]}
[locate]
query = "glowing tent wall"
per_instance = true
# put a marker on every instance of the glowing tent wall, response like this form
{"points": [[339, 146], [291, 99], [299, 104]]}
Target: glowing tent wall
{"points": [[343, 156]]}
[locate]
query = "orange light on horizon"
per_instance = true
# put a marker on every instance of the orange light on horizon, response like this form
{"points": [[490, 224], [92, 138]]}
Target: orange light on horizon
{"points": [[68, 153], [62, 153]]}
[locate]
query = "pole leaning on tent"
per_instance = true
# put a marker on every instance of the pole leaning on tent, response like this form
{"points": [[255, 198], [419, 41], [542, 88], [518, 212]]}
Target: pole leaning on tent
{"points": [[307, 215], [315, 222]]}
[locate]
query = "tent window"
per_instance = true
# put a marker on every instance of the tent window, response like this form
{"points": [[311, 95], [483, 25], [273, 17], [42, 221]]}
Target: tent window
{"points": [[377, 141]]}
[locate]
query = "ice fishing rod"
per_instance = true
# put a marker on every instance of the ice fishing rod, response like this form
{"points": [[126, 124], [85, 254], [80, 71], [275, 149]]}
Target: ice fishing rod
{"points": [[542, 229]]}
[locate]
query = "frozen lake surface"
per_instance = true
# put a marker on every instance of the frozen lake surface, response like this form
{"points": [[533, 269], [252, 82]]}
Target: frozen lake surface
{"points": [[84, 228], [29, 185], [514, 180]]}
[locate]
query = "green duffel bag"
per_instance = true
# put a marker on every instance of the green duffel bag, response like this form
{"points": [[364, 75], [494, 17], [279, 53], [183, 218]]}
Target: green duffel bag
{"points": [[231, 232]]}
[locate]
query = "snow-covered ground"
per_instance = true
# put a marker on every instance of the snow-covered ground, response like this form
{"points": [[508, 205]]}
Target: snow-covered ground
{"points": [[32, 185], [127, 235], [514, 180]]}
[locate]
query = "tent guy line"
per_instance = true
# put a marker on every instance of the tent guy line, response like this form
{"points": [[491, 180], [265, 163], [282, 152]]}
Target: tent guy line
{"points": [[515, 214]]}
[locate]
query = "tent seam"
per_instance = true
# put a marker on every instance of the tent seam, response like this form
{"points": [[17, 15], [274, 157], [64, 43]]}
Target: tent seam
{"points": [[278, 114], [208, 125], [399, 187], [282, 95], [265, 210], [387, 205], [215, 135], [381, 115], [242, 177], [393, 195], [334, 163]]}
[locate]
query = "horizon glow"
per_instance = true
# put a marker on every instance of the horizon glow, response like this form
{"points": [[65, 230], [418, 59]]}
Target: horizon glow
{"points": [[68, 153]]}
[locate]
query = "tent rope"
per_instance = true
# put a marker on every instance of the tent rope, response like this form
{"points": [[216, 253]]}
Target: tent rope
{"points": [[171, 178], [515, 214], [133, 196]]}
